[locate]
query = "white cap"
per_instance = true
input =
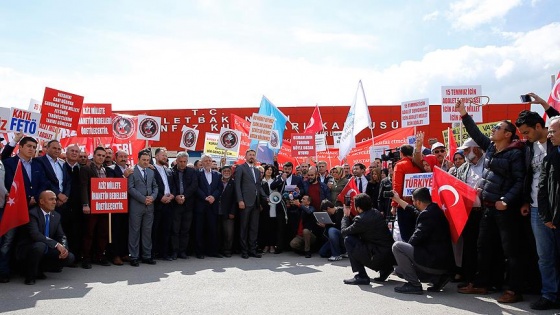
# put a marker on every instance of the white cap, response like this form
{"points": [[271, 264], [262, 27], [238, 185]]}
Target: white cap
{"points": [[469, 143], [437, 145]]}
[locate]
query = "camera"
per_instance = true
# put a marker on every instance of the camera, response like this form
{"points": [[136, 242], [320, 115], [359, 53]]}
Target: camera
{"points": [[388, 194], [392, 155], [347, 201], [526, 98]]}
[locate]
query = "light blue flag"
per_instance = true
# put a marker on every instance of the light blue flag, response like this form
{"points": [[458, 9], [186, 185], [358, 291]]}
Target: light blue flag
{"points": [[269, 109]]}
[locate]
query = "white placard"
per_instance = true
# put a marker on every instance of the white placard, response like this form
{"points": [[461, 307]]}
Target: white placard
{"points": [[451, 94], [149, 128], [189, 138], [261, 127], [416, 180], [229, 140], [5, 114], [320, 142], [415, 113], [336, 138], [24, 121]]}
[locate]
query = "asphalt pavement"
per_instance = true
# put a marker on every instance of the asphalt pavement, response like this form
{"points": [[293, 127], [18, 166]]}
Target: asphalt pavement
{"points": [[275, 284]]}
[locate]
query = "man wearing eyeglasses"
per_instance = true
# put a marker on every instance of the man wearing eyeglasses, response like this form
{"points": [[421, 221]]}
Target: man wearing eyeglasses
{"points": [[502, 191], [439, 151]]}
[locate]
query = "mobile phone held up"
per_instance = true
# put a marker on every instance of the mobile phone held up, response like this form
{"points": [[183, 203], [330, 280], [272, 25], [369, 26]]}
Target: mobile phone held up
{"points": [[526, 98]]}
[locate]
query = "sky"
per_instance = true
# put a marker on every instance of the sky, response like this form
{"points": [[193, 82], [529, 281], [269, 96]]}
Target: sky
{"points": [[139, 54]]}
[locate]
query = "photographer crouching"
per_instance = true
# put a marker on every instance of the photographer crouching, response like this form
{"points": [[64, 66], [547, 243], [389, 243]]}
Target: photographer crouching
{"points": [[427, 256], [367, 240]]}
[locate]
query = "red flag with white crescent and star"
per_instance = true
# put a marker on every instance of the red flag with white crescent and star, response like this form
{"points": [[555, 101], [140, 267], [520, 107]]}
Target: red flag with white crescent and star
{"points": [[455, 198], [554, 97], [315, 124], [351, 190], [16, 212]]}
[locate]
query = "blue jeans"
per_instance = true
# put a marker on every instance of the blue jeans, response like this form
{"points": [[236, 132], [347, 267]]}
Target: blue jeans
{"points": [[335, 244], [6, 242], [547, 250]]}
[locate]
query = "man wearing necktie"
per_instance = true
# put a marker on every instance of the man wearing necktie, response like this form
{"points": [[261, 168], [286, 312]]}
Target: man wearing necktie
{"points": [[72, 216], [142, 190], [358, 171], [247, 190], [43, 244], [57, 178]]}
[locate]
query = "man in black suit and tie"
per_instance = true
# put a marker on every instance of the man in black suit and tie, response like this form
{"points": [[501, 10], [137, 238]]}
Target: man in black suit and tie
{"points": [[72, 216], [206, 211], [58, 179], [143, 191], [119, 221], [247, 190], [43, 242], [163, 207], [185, 183]]}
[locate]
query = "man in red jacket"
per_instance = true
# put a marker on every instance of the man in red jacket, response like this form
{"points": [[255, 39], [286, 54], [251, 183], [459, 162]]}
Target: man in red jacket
{"points": [[406, 219]]}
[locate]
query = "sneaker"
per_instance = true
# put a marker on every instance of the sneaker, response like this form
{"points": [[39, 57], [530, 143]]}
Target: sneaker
{"points": [[543, 304], [335, 258], [408, 288]]}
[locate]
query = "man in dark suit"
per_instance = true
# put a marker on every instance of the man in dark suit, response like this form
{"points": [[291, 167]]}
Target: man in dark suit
{"points": [[72, 216], [119, 221], [247, 190], [58, 179], [206, 211], [428, 255], [286, 178], [163, 207], [228, 210], [143, 191], [43, 242], [96, 224], [185, 183], [367, 240], [34, 175]]}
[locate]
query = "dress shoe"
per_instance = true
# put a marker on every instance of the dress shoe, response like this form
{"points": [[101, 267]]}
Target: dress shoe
{"points": [[167, 258], [278, 251], [134, 263], [149, 261], [217, 256], [383, 275], [440, 283], [471, 289], [174, 256], [357, 280], [103, 262], [117, 261], [272, 250], [125, 258], [86, 264], [510, 297], [183, 256], [256, 255], [307, 254], [4, 278], [29, 281], [408, 288], [227, 255], [200, 256], [245, 256], [41, 276]]}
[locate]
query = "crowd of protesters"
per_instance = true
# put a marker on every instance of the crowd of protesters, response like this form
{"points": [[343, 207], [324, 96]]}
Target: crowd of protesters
{"points": [[510, 241]]}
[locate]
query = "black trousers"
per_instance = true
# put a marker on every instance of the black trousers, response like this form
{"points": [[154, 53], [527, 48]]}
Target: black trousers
{"points": [[161, 230], [470, 239], [36, 257], [206, 229], [407, 223], [181, 229], [499, 239]]}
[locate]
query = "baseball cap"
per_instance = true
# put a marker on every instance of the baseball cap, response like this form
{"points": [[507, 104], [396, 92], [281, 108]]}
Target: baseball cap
{"points": [[469, 143], [437, 145]]}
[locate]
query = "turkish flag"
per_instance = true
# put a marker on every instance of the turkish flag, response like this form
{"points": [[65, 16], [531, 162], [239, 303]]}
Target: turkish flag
{"points": [[315, 123], [16, 212], [554, 98], [451, 144], [455, 197], [351, 189]]}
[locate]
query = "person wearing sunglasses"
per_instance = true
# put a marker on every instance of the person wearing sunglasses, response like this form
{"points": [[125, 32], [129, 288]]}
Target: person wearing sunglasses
{"points": [[502, 197], [440, 152]]}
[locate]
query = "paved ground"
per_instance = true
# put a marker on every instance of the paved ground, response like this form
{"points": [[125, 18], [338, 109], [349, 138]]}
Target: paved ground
{"points": [[275, 284]]}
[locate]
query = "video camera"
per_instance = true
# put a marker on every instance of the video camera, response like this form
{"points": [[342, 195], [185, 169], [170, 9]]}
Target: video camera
{"points": [[392, 155]]}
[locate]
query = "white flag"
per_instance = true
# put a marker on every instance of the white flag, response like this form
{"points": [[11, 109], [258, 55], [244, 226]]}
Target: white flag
{"points": [[357, 120]]}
